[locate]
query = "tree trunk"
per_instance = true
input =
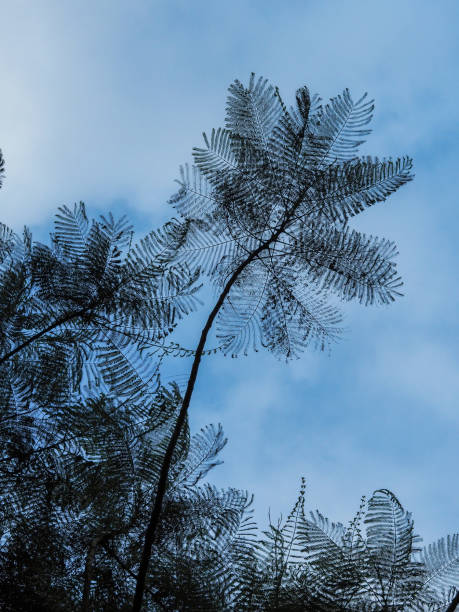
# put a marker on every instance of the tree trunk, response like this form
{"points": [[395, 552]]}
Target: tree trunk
{"points": [[162, 482], [88, 572]]}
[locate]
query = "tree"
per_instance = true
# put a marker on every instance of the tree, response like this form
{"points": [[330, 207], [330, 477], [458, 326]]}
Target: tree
{"points": [[267, 206], [83, 420], [73, 510], [77, 313], [84, 423], [77, 475], [73, 516]]}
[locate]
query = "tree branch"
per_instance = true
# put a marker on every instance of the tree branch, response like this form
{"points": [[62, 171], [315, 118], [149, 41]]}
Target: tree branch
{"points": [[162, 483], [112, 553], [88, 572], [41, 333]]}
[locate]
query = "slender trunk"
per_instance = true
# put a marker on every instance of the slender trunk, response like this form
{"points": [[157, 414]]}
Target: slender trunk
{"points": [[88, 572], [453, 605], [113, 555], [162, 482]]}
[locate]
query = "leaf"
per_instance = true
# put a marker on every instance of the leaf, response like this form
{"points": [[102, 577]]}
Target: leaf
{"points": [[204, 447], [338, 129], [253, 112], [349, 263], [217, 161], [295, 317], [390, 535], [442, 562], [71, 229], [343, 191], [239, 323], [195, 197]]}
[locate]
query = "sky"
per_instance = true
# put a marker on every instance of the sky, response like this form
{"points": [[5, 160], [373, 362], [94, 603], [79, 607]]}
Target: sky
{"points": [[102, 101]]}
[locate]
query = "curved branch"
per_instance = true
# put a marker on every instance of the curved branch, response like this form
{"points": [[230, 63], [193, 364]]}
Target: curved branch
{"points": [[162, 483], [56, 323]]}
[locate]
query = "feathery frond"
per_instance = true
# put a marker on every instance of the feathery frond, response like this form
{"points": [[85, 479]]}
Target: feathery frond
{"points": [[442, 562], [338, 129], [282, 185]]}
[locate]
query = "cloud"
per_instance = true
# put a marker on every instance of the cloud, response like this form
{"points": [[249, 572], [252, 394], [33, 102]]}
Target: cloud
{"points": [[102, 102]]}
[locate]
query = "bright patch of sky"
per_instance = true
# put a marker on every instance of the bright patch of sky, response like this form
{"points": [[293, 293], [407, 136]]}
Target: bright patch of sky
{"points": [[102, 101]]}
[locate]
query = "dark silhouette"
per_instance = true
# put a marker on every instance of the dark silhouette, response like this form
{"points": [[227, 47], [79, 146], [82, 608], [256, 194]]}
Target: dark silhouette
{"points": [[86, 306], [77, 474], [89, 434], [267, 206]]}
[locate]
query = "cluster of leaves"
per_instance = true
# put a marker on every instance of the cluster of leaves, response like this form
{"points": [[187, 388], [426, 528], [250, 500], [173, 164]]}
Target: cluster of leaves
{"points": [[268, 203], [267, 206], [208, 555], [87, 307], [73, 515], [78, 473], [310, 563], [83, 415], [84, 420]]}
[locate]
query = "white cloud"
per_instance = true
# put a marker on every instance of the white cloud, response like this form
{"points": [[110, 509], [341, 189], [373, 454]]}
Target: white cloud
{"points": [[102, 102]]}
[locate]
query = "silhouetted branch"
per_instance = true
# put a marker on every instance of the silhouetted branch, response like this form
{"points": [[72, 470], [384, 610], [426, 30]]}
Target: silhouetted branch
{"points": [[43, 332]]}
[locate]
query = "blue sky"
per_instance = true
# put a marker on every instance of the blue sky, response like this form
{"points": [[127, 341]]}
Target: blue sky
{"points": [[102, 101]]}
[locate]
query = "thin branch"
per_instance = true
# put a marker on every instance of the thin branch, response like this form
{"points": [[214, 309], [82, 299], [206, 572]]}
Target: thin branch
{"points": [[53, 325], [162, 483]]}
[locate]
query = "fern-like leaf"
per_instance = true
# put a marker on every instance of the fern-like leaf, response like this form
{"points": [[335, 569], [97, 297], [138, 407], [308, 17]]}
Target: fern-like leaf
{"points": [[253, 112], [442, 562], [71, 229], [345, 190], [350, 264], [338, 129]]}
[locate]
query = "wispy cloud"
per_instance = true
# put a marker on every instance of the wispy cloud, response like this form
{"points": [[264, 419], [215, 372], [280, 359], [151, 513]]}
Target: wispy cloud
{"points": [[102, 102]]}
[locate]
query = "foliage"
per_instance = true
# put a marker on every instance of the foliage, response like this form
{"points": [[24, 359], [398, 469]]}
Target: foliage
{"points": [[267, 207], [73, 514], [83, 428], [270, 198], [84, 308], [88, 432], [83, 415], [209, 557], [375, 563]]}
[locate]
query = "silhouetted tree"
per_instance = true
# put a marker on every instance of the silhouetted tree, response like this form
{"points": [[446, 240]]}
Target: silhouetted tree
{"points": [[89, 434], [310, 563], [267, 206], [84, 307], [78, 471]]}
